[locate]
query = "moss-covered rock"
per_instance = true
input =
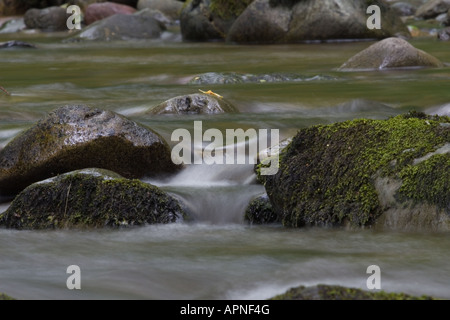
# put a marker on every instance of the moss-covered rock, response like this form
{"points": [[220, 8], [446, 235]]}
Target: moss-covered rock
{"points": [[204, 20], [260, 211], [330, 292], [77, 137], [389, 54], [198, 103], [5, 297], [293, 21], [90, 198], [351, 173]]}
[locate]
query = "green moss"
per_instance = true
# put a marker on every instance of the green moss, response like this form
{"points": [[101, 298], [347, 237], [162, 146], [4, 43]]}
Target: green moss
{"points": [[90, 199], [327, 292], [327, 173], [227, 9], [5, 297]]}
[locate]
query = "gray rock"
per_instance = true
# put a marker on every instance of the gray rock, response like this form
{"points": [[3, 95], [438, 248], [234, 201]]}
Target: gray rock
{"points": [[262, 22], [404, 8], [77, 137], [169, 8], [198, 103], [90, 198], [99, 11], [121, 27], [388, 54], [49, 19], [203, 20], [19, 7], [444, 34], [433, 8]]}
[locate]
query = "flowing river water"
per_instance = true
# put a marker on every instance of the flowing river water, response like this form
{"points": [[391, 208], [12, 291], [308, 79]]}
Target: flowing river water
{"points": [[217, 255]]}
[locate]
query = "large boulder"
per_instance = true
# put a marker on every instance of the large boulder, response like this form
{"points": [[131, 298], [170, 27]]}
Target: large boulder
{"points": [[198, 103], [204, 20], [388, 54], [49, 19], [18, 7], [90, 198], [433, 8], [77, 137], [99, 11], [262, 22], [333, 292], [170, 8], [122, 27], [392, 173]]}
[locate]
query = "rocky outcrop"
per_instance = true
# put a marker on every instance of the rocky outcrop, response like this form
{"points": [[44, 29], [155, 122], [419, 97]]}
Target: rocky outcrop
{"points": [[389, 54], [391, 173], [90, 198], [77, 137]]}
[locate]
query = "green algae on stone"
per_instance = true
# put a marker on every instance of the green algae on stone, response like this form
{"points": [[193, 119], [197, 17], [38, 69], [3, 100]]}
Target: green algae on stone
{"points": [[260, 211], [334, 292], [90, 198], [227, 9], [327, 174], [5, 297]]}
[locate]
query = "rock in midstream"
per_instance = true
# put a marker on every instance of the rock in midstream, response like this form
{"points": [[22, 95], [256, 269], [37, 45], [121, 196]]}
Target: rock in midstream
{"points": [[76, 137]]}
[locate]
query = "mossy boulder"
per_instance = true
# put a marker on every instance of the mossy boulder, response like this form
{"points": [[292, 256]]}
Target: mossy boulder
{"points": [[260, 211], [356, 172], [77, 137], [391, 53], [5, 297], [197, 103], [333, 292], [90, 198], [294, 21], [205, 20]]}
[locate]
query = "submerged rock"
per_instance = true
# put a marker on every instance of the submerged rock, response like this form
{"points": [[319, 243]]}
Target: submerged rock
{"points": [[330, 292], [444, 34], [99, 11], [198, 103], [49, 19], [121, 27], [90, 198], [77, 137], [389, 54], [356, 173], [293, 21], [16, 44], [260, 211], [233, 77]]}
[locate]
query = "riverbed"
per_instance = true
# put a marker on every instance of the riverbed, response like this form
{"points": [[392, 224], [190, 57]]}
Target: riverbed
{"points": [[216, 255]]}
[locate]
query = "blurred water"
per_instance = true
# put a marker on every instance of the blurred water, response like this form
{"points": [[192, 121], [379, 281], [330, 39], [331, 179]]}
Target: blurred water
{"points": [[215, 256]]}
